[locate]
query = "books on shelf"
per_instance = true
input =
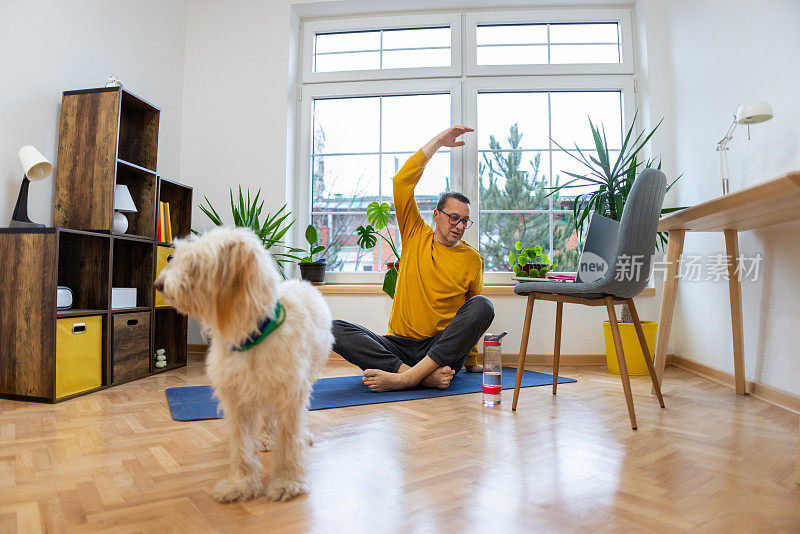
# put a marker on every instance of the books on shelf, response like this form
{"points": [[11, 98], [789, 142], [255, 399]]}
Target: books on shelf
{"points": [[164, 230]]}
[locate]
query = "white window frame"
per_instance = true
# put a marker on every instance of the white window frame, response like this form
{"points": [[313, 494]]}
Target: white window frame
{"points": [[372, 88], [406, 22], [577, 16], [521, 84], [463, 91]]}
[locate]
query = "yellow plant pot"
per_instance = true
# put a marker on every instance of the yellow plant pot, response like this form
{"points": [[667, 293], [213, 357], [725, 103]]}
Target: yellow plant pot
{"points": [[634, 359]]}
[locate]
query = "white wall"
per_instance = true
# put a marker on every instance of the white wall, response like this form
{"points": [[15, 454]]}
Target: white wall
{"points": [[722, 53], [235, 105], [47, 47]]}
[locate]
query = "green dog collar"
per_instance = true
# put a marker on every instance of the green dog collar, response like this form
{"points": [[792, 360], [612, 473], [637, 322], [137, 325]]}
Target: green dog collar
{"points": [[266, 328]]}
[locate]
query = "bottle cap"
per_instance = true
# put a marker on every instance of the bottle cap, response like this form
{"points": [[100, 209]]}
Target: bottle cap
{"points": [[494, 337]]}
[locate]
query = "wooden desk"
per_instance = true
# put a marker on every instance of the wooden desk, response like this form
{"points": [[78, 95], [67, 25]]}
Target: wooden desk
{"points": [[774, 202]]}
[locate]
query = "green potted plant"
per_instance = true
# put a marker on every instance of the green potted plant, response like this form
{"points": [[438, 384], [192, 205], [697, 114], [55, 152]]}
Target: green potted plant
{"points": [[378, 216], [246, 214], [613, 179], [311, 270], [532, 262]]}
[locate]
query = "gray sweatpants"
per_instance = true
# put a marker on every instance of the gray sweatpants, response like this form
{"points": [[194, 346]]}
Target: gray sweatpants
{"points": [[450, 347]]}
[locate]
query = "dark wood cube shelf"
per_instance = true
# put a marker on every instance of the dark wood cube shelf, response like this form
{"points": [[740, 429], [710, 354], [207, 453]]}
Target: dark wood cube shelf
{"points": [[107, 136]]}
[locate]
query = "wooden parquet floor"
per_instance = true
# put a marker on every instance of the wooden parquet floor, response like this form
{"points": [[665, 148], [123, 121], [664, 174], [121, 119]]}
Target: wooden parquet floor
{"points": [[115, 461]]}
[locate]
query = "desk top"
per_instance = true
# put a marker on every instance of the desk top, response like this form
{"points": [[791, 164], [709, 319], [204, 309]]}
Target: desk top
{"points": [[773, 202]]}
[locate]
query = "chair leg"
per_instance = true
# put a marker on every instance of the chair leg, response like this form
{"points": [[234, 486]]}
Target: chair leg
{"points": [[557, 345], [643, 343], [623, 368], [523, 348]]}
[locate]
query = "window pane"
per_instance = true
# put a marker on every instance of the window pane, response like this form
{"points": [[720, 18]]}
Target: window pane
{"points": [[499, 112], [566, 246], [564, 162], [409, 121], [338, 232], [571, 112], [512, 55], [584, 54], [345, 183], [499, 232], [347, 61], [347, 42], [336, 119], [416, 38], [512, 34], [513, 180], [406, 59], [605, 32], [435, 180]]}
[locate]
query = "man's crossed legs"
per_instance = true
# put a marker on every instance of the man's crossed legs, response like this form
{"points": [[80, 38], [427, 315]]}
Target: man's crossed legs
{"points": [[394, 362]]}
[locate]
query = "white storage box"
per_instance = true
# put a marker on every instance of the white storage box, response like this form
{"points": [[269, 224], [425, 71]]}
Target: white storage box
{"points": [[123, 297]]}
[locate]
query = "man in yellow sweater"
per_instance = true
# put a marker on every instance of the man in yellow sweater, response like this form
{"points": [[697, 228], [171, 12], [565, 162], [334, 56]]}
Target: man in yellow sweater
{"points": [[438, 314]]}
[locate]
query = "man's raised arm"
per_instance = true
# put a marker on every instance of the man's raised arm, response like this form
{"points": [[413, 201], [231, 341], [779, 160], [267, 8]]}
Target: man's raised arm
{"points": [[408, 218]]}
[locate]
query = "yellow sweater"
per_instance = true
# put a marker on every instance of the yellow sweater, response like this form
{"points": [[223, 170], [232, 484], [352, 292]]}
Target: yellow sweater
{"points": [[435, 280]]}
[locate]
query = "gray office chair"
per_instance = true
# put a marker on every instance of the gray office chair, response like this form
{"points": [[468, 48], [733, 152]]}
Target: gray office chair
{"points": [[636, 239]]}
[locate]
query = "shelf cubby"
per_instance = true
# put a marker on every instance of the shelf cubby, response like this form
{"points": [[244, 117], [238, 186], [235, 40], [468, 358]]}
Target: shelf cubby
{"points": [[142, 186], [83, 268], [170, 330], [132, 267], [138, 131], [179, 198]]}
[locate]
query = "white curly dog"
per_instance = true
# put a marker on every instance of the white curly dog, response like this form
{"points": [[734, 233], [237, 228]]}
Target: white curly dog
{"points": [[227, 281]]}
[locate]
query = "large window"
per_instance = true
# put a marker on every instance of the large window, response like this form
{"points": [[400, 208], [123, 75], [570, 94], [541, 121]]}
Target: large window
{"points": [[375, 90]]}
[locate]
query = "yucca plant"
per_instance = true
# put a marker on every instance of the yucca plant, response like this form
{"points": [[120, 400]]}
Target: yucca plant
{"points": [[247, 213], [613, 178]]}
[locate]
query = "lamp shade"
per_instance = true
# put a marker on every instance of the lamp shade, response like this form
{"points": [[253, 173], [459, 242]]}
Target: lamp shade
{"points": [[35, 165], [123, 201], [753, 112]]}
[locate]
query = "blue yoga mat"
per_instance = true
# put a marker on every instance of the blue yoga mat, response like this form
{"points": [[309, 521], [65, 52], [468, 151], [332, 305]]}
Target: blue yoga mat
{"points": [[194, 403]]}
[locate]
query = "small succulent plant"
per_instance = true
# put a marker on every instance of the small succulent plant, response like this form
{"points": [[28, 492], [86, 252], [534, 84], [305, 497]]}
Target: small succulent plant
{"points": [[531, 262]]}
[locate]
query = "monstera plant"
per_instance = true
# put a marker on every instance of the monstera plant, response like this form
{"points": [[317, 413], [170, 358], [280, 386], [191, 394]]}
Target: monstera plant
{"points": [[378, 216]]}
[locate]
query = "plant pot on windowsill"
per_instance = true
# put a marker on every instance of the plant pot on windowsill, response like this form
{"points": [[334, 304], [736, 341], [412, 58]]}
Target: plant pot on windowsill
{"points": [[313, 271]]}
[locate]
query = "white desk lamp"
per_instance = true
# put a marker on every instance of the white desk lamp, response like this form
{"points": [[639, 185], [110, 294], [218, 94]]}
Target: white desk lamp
{"points": [[36, 168], [123, 203], [751, 112]]}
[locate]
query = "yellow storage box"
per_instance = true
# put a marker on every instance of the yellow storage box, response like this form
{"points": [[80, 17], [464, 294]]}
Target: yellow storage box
{"points": [[162, 258], [79, 352]]}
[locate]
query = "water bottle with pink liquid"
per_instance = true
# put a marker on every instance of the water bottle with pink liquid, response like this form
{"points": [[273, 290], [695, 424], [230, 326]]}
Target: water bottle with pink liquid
{"points": [[492, 369]]}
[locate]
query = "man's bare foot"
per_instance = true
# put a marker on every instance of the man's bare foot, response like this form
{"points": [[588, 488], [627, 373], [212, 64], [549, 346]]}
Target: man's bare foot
{"points": [[474, 368], [377, 380], [438, 379]]}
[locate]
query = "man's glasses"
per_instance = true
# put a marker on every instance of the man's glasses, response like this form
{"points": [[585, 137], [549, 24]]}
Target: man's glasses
{"points": [[455, 219]]}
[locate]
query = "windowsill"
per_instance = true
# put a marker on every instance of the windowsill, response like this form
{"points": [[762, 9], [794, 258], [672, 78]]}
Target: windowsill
{"points": [[376, 289]]}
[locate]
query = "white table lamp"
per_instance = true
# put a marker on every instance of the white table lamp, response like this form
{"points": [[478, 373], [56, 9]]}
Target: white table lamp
{"points": [[36, 168], [751, 112], [123, 203]]}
